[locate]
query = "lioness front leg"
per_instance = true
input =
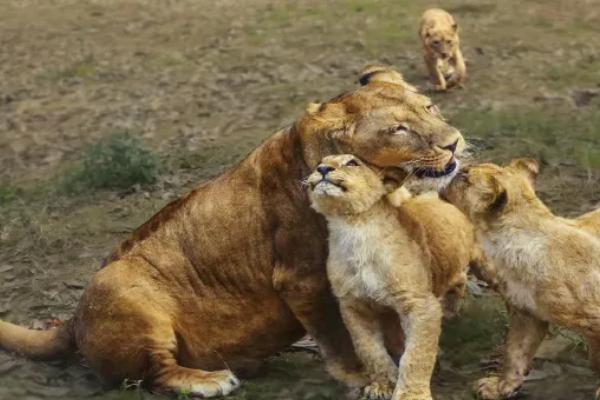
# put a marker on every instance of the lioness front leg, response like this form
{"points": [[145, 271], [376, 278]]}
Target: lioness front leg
{"points": [[310, 299], [421, 316], [525, 334], [369, 343]]}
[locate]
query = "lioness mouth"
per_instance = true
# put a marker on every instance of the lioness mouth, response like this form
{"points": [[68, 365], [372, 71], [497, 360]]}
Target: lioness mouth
{"points": [[435, 173]]}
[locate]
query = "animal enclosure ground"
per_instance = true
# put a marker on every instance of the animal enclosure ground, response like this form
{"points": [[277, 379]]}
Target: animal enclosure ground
{"points": [[198, 84]]}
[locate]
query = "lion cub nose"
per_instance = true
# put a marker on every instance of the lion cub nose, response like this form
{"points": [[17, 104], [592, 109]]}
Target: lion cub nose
{"points": [[324, 169]]}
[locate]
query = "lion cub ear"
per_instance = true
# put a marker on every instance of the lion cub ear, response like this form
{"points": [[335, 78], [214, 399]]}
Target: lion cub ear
{"points": [[498, 197], [455, 27], [312, 108], [527, 166]]}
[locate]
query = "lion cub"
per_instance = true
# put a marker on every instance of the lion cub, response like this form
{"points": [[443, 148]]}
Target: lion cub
{"points": [[390, 260], [444, 60], [548, 267]]}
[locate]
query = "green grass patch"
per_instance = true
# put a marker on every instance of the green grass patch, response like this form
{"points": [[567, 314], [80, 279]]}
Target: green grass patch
{"points": [[8, 193], [546, 134], [480, 327], [117, 162], [82, 69]]}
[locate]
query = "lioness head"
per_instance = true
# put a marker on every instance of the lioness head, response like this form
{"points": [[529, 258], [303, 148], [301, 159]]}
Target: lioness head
{"points": [[386, 125], [442, 40], [487, 190], [343, 184]]}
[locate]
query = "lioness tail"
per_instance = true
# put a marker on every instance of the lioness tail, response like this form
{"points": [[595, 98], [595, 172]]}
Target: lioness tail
{"points": [[38, 345]]}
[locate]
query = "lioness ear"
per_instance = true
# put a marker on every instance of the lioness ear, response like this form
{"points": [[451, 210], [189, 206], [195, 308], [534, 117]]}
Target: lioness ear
{"points": [[377, 73], [528, 167]]}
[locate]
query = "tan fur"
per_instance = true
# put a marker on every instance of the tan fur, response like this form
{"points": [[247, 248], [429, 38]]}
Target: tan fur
{"points": [[441, 46], [385, 258], [234, 271], [548, 267]]}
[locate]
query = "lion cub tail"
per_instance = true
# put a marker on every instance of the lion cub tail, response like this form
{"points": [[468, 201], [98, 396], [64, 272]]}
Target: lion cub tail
{"points": [[38, 345]]}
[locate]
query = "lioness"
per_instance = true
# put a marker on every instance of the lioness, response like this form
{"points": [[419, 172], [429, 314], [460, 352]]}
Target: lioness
{"points": [[444, 60], [385, 258], [235, 270], [548, 267]]}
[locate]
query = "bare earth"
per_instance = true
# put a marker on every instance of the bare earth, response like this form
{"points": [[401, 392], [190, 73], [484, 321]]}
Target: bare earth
{"points": [[201, 83]]}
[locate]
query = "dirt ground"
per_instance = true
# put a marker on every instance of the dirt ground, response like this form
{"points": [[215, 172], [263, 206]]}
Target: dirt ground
{"points": [[201, 83]]}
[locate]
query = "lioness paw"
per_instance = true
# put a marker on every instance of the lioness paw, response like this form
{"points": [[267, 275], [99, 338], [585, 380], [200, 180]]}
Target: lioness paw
{"points": [[377, 391], [203, 384]]}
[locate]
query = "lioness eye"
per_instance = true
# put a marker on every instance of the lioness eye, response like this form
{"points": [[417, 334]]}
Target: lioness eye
{"points": [[432, 108], [399, 130], [352, 163]]}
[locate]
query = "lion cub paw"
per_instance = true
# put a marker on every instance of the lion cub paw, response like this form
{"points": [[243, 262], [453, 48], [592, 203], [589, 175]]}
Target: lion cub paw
{"points": [[487, 388], [377, 391], [423, 395], [493, 388]]}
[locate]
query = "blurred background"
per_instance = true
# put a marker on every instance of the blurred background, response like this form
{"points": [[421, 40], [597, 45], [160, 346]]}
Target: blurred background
{"points": [[111, 109]]}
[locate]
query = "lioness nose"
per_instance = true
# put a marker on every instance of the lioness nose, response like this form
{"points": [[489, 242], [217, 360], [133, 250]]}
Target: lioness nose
{"points": [[324, 169], [451, 147]]}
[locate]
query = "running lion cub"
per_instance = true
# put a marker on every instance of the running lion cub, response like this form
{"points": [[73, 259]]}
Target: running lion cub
{"points": [[548, 267], [386, 260], [444, 60]]}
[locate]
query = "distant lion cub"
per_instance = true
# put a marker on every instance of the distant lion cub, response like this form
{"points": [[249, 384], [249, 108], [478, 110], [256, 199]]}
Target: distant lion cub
{"points": [[390, 260], [444, 60], [548, 267]]}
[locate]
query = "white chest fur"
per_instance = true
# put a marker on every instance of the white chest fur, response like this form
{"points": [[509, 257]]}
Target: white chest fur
{"points": [[518, 257], [362, 255]]}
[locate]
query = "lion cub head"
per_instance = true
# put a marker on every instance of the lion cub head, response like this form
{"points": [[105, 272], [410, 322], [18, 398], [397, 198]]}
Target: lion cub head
{"points": [[487, 191], [343, 184], [439, 33]]}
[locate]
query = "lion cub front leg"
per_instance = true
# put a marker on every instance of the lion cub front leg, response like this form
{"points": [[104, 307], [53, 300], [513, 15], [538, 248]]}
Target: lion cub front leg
{"points": [[421, 315], [460, 69], [435, 72], [369, 344], [525, 334]]}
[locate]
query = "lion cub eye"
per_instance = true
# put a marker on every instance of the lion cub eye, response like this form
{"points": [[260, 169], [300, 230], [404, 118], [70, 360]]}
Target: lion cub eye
{"points": [[352, 163]]}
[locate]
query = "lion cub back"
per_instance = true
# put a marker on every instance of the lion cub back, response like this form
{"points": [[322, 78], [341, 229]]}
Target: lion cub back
{"points": [[446, 234]]}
